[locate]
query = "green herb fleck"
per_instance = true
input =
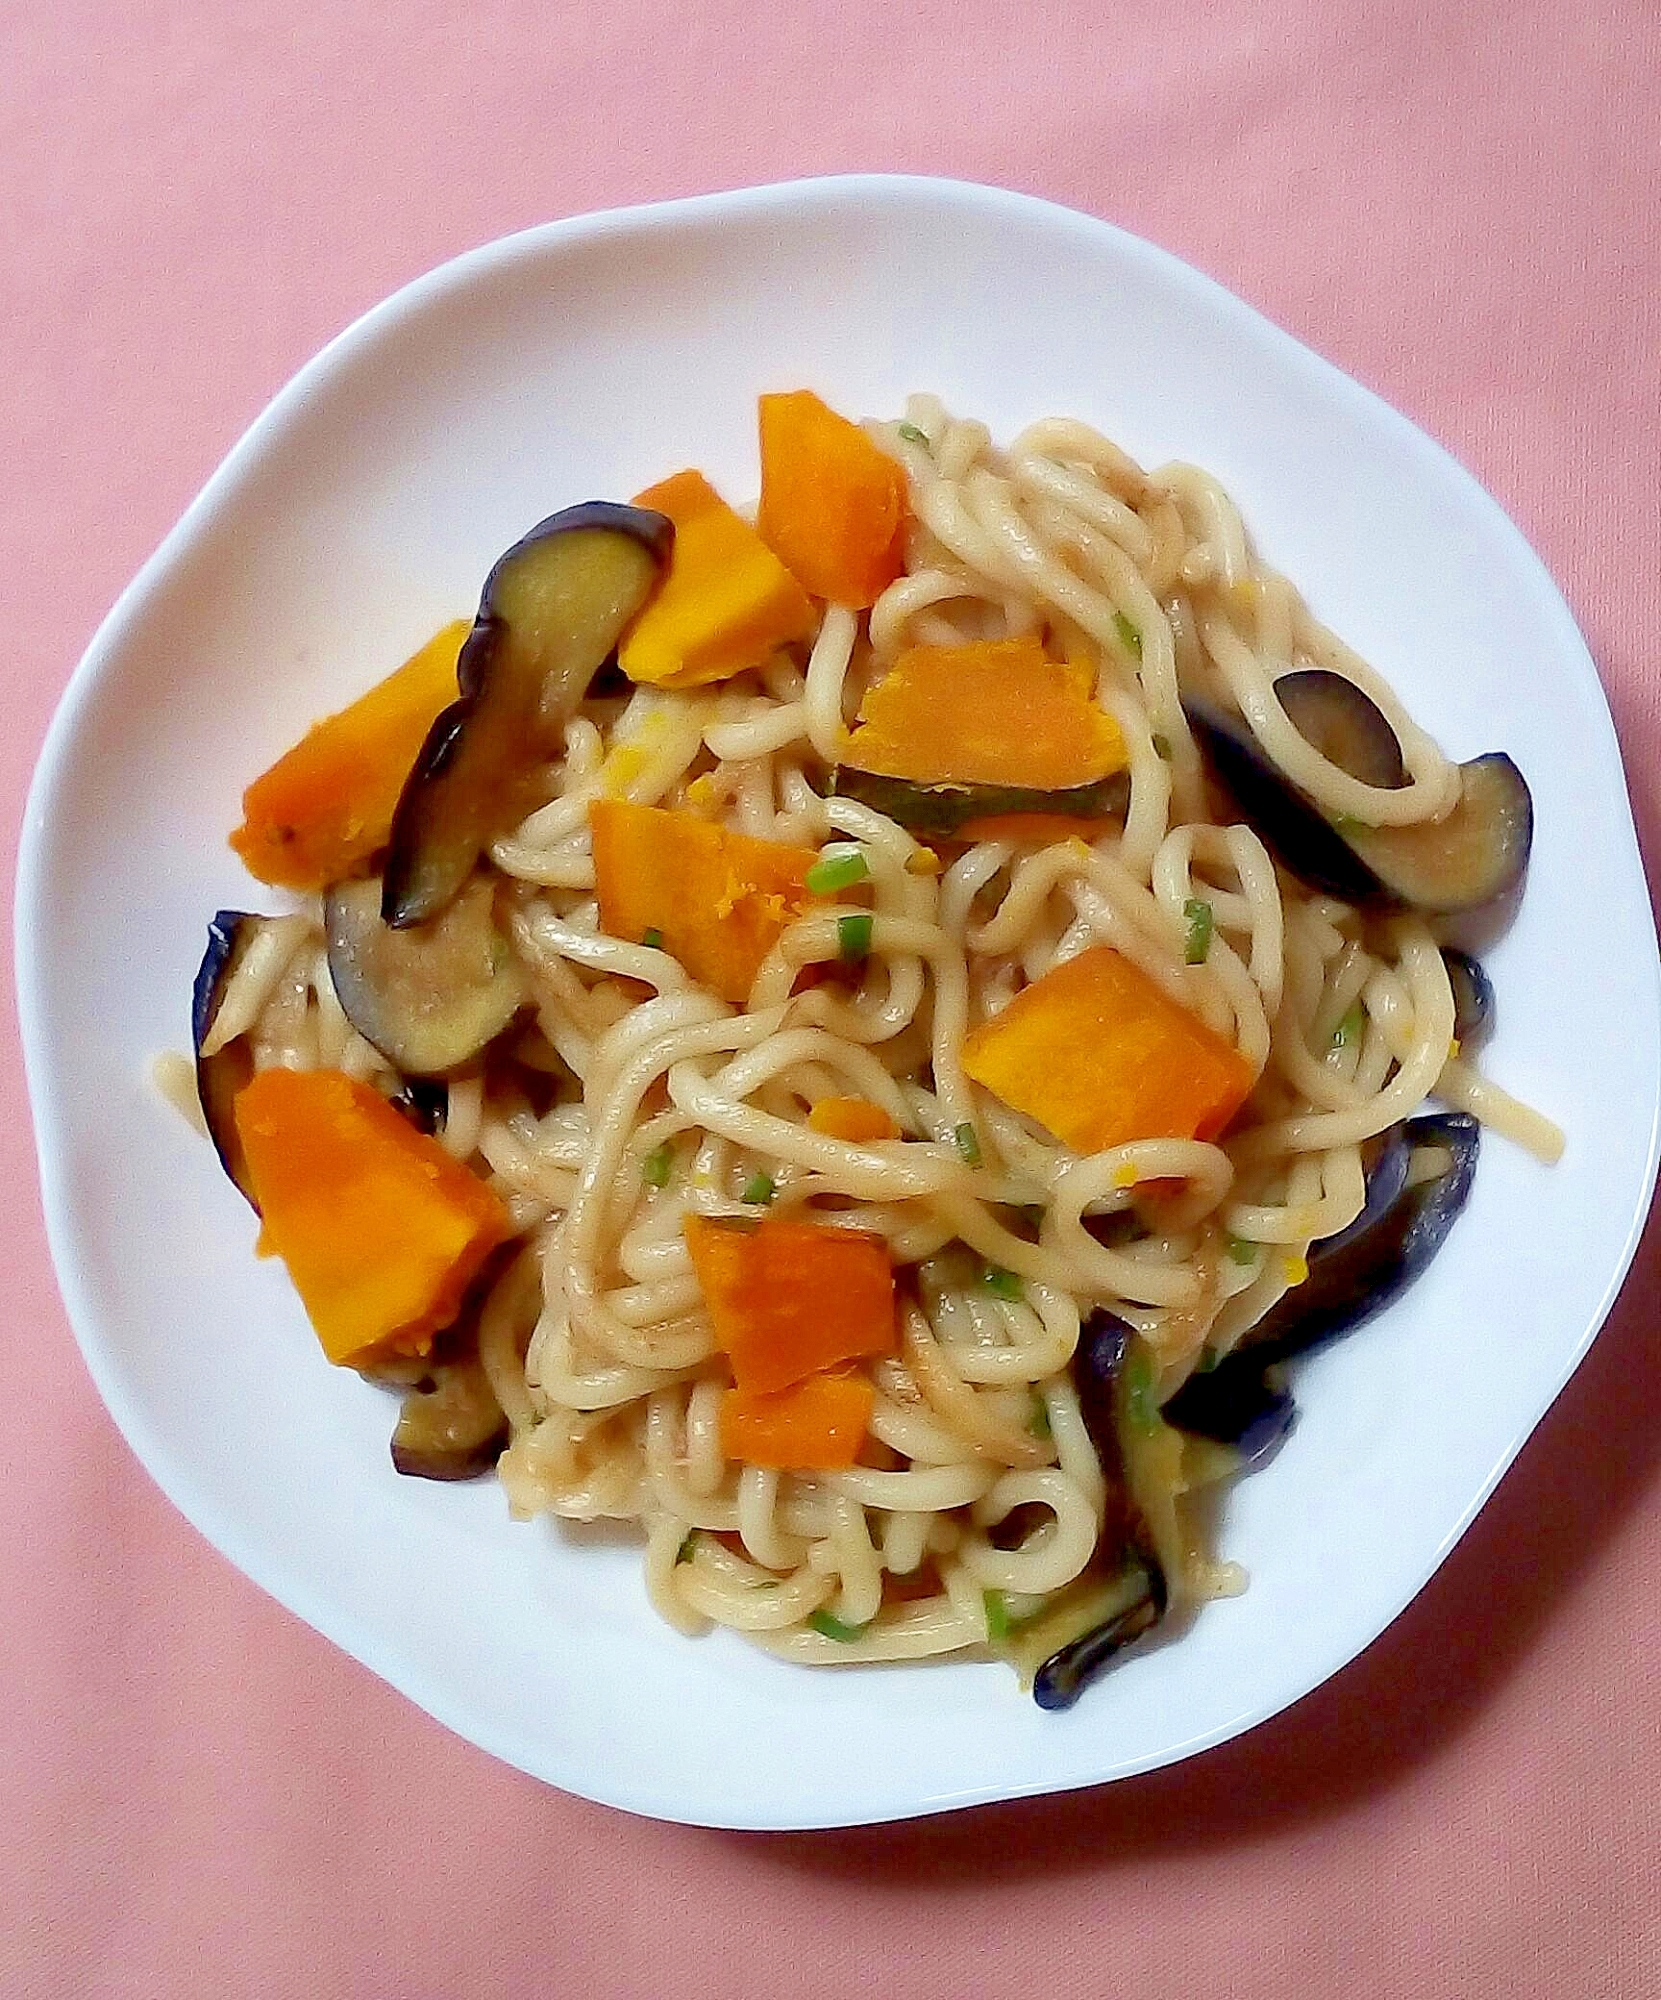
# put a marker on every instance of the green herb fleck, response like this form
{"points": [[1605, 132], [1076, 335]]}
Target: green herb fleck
{"points": [[760, 1189], [1139, 1403], [658, 1165], [1198, 947], [1242, 1250], [1039, 1422], [1348, 1030], [913, 435], [1129, 637], [997, 1615], [689, 1542], [653, 939], [833, 1628], [1003, 1284], [1345, 824], [836, 868], [967, 1143], [1162, 747], [853, 936]]}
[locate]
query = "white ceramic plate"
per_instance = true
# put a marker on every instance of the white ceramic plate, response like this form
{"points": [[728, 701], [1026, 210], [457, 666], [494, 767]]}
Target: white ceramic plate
{"points": [[363, 508]]}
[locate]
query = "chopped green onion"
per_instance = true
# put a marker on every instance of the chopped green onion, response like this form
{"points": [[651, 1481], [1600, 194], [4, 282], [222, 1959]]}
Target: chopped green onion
{"points": [[853, 936], [1003, 1284], [1143, 1411], [1129, 637], [760, 1189], [997, 1615], [836, 868], [658, 1165], [653, 939], [1348, 1030], [1039, 1422], [1346, 823], [913, 435], [1162, 746], [967, 1143], [1242, 1250], [833, 1628], [1198, 947], [689, 1541]]}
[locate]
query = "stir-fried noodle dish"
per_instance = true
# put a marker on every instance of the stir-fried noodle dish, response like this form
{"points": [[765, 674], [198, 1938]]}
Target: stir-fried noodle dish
{"points": [[864, 1037]]}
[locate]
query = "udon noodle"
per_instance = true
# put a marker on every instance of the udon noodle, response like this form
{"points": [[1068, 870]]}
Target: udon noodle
{"points": [[980, 1494]]}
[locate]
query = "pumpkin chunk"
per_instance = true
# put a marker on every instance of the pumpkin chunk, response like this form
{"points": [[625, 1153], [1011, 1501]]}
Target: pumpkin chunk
{"points": [[324, 808], [995, 712], [816, 1425], [1099, 1055], [727, 602], [833, 504], [718, 900], [381, 1230], [855, 1119], [788, 1299]]}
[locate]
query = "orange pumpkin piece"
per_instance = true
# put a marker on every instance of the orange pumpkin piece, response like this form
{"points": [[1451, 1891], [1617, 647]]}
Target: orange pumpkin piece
{"points": [[726, 604], [788, 1299], [994, 712], [381, 1230], [833, 504], [718, 900], [1099, 1055], [325, 807], [816, 1425], [855, 1119]]}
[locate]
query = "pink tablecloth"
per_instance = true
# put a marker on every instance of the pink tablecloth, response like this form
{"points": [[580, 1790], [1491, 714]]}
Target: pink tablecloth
{"points": [[1458, 204]]}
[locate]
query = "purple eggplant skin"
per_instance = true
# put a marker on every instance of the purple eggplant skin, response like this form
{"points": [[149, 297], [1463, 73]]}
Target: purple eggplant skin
{"points": [[1099, 1373], [425, 1102], [1473, 1000], [220, 1076], [1352, 1276], [550, 615], [451, 1426], [1470, 863]]}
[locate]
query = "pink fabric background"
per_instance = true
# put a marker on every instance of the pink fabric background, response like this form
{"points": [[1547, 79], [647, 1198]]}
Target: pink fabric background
{"points": [[1459, 205]]}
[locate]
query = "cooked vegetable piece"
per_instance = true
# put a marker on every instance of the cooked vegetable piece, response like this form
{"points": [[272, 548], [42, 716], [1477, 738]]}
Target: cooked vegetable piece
{"points": [[837, 868], [325, 807], [1141, 1542], [719, 900], [986, 812], [430, 997], [727, 603], [1352, 1276], [787, 1299], [551, 611], [855, 1119], [425, 1103], [998, 712], [221, 1075], [1473, 858], [1473, 1000], [1344, 724], [815, 1425], [833, 504], [381, 1230], [853, 935], [1099, 1055], [451, 1425]]}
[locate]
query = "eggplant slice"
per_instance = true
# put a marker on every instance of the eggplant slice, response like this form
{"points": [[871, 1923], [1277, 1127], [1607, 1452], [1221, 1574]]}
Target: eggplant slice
{"points": [[1130, 1600], [1352, 1276], [220, 1076], [550, 615], [1473, 858], [430, 997], [451, 1425], [1473, 1000]]}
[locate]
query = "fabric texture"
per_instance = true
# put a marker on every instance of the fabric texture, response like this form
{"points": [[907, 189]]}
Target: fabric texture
{"points": [[198, 1795]]}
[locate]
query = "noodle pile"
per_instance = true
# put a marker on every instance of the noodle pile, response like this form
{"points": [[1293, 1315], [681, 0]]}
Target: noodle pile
{"points": [[981, 1483]]}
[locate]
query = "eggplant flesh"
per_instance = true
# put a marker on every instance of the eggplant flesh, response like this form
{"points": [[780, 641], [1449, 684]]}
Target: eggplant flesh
{"points": [[1344, 724], [221, 1075], [1474, 857], [1352, 1276], [550, 615], [429, 997], [1138, 1590], [451, 1426], [942, 810]]}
